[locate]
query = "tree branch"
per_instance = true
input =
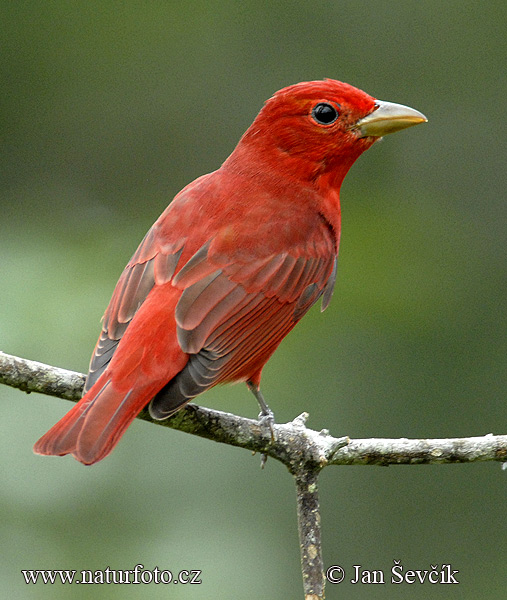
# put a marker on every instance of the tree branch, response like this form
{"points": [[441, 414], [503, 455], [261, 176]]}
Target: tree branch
{"points": [[305, 452], [295, 445]]}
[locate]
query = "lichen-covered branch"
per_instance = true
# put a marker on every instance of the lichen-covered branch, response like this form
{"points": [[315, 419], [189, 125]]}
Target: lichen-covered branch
{"points": [[312, 565], [294, 445], [30, 376], [402, 451], [305, 452]]}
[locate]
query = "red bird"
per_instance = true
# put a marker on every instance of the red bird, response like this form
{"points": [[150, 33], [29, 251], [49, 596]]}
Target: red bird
{"points": [[231, 265]]}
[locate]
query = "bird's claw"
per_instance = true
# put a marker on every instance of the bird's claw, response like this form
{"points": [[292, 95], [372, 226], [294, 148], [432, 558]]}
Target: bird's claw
{"points": [[268, 419]]}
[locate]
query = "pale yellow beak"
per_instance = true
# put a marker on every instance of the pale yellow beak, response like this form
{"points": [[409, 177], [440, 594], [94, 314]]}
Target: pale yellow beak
{"points": [[388, 118]]}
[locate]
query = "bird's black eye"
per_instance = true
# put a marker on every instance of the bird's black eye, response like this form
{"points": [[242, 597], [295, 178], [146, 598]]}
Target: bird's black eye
{"points": [[324, 113]]}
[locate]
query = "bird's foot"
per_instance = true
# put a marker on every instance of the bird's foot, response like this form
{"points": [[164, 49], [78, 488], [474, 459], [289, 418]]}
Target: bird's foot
{"points": [[266, 416], [267, 419]]}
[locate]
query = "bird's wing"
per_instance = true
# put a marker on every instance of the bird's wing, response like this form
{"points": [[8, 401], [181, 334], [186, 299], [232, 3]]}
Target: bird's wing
{"points": [[232, 314], [184, 317], [153, 263]]}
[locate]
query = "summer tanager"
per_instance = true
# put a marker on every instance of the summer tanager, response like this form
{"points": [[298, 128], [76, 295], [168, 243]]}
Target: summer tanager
{"points": [[231, 265]]}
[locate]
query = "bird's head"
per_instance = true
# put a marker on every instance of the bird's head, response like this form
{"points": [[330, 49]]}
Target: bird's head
{"points": [[320, 128]]}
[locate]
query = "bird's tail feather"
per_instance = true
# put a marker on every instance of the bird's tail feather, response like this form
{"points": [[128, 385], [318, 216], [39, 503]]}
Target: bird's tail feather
{"points": [[92, 428]]}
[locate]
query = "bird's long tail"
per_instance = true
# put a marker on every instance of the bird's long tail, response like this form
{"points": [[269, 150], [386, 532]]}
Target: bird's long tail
{"points": [[147, 358], [92, 428]]}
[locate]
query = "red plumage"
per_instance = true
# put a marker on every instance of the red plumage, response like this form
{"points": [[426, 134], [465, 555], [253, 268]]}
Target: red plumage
{"points": [[228, 269]]}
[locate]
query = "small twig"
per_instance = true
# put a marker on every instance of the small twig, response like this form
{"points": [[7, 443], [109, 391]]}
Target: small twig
{"points": [[305, 452]]}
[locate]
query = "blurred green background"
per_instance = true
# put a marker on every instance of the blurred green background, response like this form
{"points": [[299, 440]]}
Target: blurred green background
{"points": [[108, 109]]}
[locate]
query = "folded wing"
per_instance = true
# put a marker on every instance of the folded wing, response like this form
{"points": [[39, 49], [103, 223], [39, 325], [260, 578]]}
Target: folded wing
{"points": [[231, 319]]}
